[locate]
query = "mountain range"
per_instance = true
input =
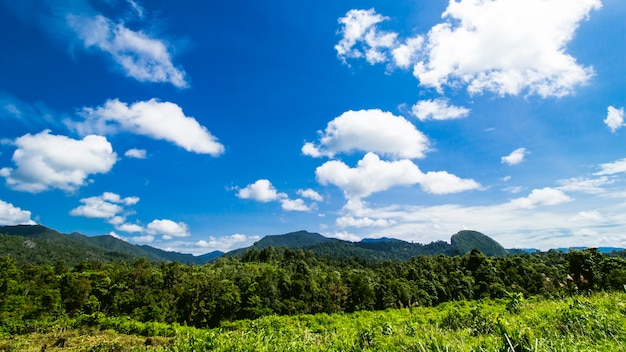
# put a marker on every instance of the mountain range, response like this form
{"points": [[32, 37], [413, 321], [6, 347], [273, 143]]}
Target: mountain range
{"points": [[37, 244]]}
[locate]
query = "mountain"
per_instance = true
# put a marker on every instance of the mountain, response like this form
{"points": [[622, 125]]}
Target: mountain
{"points": [[37, 244], [298, 239], [466, 240], [40, 245], [293, 240], [377, 249]]}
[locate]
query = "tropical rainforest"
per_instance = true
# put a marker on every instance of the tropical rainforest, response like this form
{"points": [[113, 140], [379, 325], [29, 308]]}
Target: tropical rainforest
{"points": [[279, 281]]}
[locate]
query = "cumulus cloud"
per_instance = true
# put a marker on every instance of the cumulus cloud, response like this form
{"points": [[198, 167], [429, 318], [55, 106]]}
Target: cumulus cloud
{"points": [[407, 53], [540, 197], [615, 167], [509, 225], [130, 228], [438, 109], [12, 215], [168, 229], [358, 28], [262, 191], [345, 236], [152, 118], [614, 118], [138, 54], [96, 207], [374, 175], [113, 197], [311, 194], [371, 175], [503, 46], [369, 131], [46, 161], [225, 243], [135, 153], [111, 207], [294, 205], [349, 221], [516, 157], [442, 182]]}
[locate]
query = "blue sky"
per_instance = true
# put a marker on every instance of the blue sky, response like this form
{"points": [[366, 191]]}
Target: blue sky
{"points": [[201, 126]]}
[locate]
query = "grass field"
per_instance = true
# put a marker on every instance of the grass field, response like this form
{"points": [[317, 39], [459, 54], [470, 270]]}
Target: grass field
{"points": [[594, 323]]}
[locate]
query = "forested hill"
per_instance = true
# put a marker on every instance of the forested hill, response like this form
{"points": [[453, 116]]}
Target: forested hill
{"points": [[466, 240], [375, 249], [37, 244]]}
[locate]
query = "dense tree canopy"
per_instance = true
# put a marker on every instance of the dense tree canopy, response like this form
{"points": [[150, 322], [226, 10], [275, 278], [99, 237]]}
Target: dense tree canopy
{"points": [[290, 281]]}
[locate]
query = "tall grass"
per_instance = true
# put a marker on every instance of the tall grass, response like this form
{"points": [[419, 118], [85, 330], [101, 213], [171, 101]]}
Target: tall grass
{"points": [[595, 323]]}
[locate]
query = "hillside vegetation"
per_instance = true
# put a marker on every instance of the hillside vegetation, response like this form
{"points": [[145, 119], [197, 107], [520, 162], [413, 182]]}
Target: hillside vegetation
{"points": [[37, 245], [265, 299]]}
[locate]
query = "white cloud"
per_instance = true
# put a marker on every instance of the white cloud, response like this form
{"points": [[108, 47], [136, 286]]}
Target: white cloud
{"points": [[349, 221], [441, 182], [226, 243], [502, 46], [540, 197], [262, 191], [130, 228], [137, 8], [516, 157], [542, 227], [152, 118], [592, 215], [12, 215], [294, 205], [135, 153], [46, 161], [614, 118], [506, 46], [33, 116], [374, 175], [405, 54], [438, 109], [371, 175], [343, 235], [111, 207], [141, 56], [369, 131], [168, 228], [612, 168], [116, 220], [513, 189], [311, 194], [97, 207], [584, 185], [115, 198], [358, 26]]}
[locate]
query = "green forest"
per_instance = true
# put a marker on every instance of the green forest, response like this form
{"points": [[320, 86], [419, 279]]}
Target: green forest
{"points": [[235, 293]]}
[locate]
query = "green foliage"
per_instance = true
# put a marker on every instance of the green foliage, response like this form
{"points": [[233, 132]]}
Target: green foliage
{"points": [[464, 241], [572, 324], [285, 281], [37, 245]]}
